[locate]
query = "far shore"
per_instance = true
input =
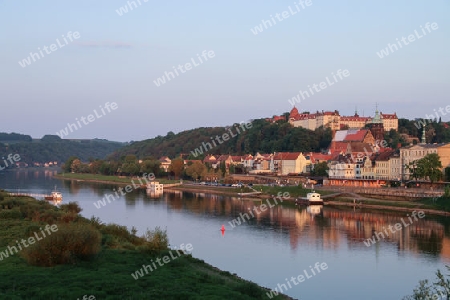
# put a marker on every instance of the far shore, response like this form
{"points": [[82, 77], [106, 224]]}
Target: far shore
{"points": [[347, 199]]}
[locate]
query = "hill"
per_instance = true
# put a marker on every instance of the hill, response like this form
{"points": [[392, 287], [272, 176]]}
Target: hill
{"points": [[262, 136], [53, 148]]}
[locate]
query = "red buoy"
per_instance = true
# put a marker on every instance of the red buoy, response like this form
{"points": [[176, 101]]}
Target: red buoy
{"points": [[223, 228]]}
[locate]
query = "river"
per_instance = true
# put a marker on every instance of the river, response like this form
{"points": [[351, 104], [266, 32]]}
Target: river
{"points": [[277, 244]]}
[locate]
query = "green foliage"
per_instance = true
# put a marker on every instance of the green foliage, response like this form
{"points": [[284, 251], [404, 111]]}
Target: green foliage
{"points": [[60, 151], [14, 137], [263, 136], [429, 167], [156, 241], [438, 290], [176, 167], [72, 242], [320, 169], [195, 170]]}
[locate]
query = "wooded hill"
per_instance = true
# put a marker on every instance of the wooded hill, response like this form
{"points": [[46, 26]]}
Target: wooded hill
{"points": [[53, 148], [267, 137], [263, 136]]}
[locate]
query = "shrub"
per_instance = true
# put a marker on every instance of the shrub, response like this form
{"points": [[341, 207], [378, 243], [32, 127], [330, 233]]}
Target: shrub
{"points": [[10, 214], [71, 207], [156, 240], [70, 243]]}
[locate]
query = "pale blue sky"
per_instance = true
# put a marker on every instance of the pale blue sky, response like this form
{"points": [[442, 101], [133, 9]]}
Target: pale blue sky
{"points": [[251, 76]]}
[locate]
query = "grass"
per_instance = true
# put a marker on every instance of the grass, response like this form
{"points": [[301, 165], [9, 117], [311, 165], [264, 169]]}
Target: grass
{"points": [[294, 191], [112, 179], [441, 203], [107, 274]]}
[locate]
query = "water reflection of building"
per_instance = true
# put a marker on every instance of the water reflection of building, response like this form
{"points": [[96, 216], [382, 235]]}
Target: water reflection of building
{"points": [[155, 189], [325, 228]]}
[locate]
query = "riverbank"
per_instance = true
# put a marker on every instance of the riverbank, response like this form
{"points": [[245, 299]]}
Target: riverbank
{"points": [[104, 268], [437, 206]]}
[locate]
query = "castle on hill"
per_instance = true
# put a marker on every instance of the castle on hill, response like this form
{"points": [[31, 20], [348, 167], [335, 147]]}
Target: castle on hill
{"points": [[335, 121]]}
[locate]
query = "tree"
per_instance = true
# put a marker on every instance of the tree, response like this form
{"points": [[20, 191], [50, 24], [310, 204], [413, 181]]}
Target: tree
{"points": [[75, 166], [430, 167], [151, 166], [67, 167], [195, 170], [177, 167], [320, 169]]}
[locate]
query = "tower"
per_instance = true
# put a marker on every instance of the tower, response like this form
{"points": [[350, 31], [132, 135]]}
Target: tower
{"points": [[376, 126]]}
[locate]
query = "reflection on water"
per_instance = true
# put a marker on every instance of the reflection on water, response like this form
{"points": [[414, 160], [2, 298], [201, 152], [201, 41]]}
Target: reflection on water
{"points": [[328, 225], [277, 242]]}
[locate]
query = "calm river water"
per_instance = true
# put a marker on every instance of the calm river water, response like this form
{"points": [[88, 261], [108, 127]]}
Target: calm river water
{"points": [[278, 243]]}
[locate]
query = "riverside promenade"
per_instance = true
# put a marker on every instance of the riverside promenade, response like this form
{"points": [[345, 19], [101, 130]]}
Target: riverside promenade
{"points": [[399, 193]]}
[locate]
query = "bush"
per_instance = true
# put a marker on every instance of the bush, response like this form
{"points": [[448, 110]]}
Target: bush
{"points": [[70, 243], [71, 207], [156, 241], [10, 214], [122, 234]]}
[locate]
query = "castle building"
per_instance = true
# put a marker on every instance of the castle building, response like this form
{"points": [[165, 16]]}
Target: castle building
{"points": [[335, 121]]}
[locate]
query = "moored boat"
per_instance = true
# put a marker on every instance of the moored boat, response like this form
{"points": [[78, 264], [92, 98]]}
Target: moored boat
{"points": [[312, 198], [54, 196]]}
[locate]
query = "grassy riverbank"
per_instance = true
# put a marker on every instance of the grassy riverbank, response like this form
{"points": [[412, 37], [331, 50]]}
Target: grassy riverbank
{"points": [[106, 179], [87, 257]]}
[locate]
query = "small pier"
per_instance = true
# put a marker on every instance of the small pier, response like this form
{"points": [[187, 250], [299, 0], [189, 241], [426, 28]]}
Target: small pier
{"points": [[37, 196]]}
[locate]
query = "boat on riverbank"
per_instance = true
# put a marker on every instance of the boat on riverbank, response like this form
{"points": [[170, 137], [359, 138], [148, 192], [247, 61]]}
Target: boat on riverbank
{"points": [[54, 196], [312, 198]]}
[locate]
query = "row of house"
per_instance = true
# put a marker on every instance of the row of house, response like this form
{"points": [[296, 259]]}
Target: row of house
{"points": [[354, 154], [377, 162]]}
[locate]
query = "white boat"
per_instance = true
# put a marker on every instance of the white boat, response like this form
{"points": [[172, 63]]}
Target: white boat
{"points": [[313, 198], [55, 195]]}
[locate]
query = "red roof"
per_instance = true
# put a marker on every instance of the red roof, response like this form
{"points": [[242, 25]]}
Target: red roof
{"points": [[287, 155], [340, 146], [356, 137], [388, 116]]}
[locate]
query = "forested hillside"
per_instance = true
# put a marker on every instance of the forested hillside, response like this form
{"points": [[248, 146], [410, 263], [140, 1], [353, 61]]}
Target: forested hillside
{"points": [[53, 148], [263, 136], [267, 137]]}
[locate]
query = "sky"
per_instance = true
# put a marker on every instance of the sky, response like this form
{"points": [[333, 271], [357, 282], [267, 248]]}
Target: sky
{"points": [[114, 58]]}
